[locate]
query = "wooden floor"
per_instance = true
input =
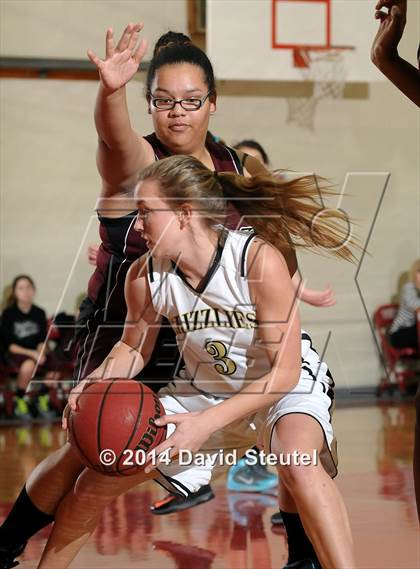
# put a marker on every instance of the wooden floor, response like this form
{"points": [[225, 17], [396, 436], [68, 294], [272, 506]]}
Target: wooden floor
{"points": [[233, 531]]}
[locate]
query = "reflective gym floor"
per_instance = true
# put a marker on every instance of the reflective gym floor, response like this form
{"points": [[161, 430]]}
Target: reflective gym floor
{"points": [[233, 531]]}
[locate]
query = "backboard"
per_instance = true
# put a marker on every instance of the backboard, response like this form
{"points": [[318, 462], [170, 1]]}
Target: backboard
{"points": [[262, 39]]}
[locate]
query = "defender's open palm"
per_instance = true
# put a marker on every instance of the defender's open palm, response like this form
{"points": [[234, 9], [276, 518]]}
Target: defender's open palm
{"points": [[121, 62]]}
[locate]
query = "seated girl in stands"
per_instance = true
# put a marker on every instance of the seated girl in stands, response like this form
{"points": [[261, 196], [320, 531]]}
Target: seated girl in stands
{"points": [[403, 330], [23, 331]]}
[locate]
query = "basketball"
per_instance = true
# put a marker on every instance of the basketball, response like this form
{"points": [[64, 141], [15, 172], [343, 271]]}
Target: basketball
{"points": [[113, 428]]}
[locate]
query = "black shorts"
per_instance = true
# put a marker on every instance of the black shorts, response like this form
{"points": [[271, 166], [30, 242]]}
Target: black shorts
{"points": [[405, 338]]}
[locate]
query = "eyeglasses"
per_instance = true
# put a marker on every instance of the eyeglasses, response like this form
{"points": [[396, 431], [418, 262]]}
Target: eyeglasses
{"points": [[144, 213], [188, 104]]}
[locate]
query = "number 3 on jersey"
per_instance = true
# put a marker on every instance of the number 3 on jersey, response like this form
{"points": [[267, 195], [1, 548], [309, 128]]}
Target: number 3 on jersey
{"points": [[218, 351]]}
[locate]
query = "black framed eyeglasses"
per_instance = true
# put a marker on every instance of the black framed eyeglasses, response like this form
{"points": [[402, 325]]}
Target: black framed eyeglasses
{"points": [[188, 104]]}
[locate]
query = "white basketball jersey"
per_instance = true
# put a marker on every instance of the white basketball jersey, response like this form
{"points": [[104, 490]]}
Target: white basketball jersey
{"points": [[216, 325]]}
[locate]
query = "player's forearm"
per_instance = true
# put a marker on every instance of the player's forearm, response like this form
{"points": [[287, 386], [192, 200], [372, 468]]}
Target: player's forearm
{"points": [[258, 395], [19, 351], [112, 119], [122, 361], [309, 295], [404, 75]]}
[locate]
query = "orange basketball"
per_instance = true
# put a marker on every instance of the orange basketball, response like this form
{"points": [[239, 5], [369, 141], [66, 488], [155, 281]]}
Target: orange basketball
{"points": [[113, 428]]}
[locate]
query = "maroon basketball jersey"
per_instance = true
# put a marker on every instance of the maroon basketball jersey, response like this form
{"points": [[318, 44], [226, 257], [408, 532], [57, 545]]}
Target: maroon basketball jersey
{"points": [[121, 244]]}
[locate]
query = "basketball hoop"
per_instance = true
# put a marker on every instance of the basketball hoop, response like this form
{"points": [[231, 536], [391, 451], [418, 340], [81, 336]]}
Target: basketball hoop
{"points": [[326, 69]]}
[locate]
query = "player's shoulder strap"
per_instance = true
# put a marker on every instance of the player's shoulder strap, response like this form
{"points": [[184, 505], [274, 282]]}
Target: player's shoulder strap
{"points": [[225, 159], [249, 234], [157, 268], [150, 268], [160, 150], [288, 252]]}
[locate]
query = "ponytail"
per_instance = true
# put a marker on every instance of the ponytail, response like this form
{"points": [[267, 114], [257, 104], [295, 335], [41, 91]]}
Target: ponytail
{"points": [[286, 213]]}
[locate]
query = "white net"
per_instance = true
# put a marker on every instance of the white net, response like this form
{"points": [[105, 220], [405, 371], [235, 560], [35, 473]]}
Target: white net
{"points": [[327, 71]]}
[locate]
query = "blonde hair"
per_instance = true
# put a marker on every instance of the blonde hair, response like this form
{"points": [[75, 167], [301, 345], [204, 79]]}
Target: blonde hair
{"points": [[284, 213], [415, 267]]}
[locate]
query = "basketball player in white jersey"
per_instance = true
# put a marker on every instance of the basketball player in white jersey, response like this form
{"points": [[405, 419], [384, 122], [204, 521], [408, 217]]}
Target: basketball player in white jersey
{"points": [[250, 372]]}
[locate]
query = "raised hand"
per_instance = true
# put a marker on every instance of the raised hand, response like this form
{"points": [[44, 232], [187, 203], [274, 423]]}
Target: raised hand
{"points": [[121, 62], [391, 28]]}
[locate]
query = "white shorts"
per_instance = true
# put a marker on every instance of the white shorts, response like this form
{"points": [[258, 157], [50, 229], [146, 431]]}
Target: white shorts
{"points": [[311, 396]]}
